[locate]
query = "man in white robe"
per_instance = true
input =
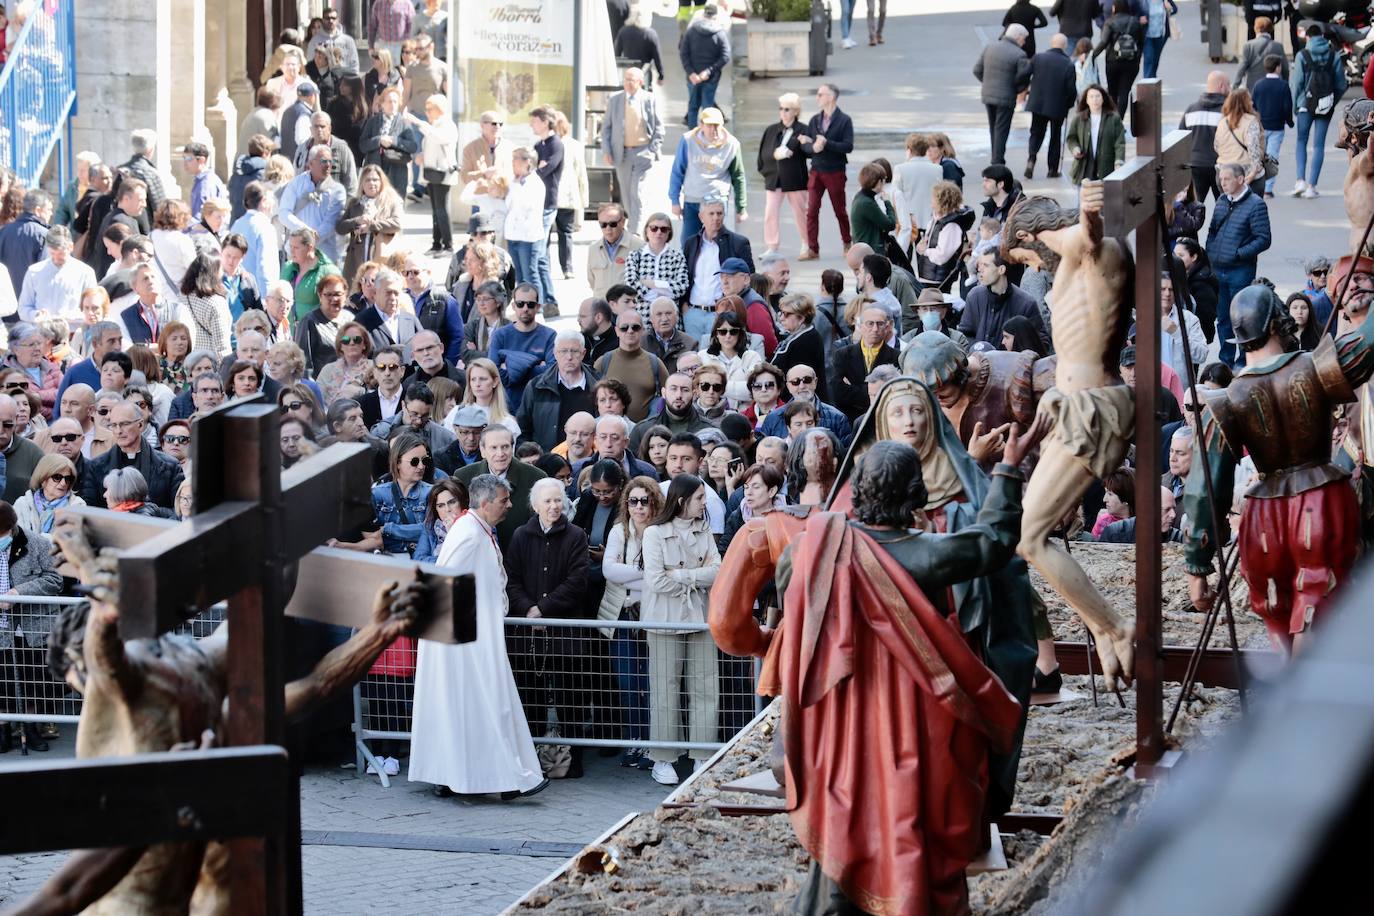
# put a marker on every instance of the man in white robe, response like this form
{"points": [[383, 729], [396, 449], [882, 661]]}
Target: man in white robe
{"points": [[468, 732]]}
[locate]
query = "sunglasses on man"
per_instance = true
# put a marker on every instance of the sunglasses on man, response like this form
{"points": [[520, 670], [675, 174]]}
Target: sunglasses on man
{"points": [[65, 437], [526, 303]]}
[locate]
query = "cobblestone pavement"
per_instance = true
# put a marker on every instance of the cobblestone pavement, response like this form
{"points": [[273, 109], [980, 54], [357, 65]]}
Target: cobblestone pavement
{"points": [[341, 880]]}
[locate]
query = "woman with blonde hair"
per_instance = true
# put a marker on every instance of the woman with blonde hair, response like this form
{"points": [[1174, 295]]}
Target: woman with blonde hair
{"points": [[484, 389], [1240, 138], [573, 192], [782, 163], [371, 220], [447, 394], [383, 75], [364, 291], [52, 486]]}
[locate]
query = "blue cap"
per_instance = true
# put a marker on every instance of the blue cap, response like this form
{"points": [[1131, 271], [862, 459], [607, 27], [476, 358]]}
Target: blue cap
{"points": [[734, 266]]}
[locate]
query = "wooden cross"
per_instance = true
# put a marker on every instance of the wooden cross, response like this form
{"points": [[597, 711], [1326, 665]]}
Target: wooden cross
{"points": [[252, 526], [1132, 197]]}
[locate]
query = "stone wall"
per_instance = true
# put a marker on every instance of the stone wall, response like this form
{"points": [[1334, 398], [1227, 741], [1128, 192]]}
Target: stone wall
{"points": [[123, 75]]}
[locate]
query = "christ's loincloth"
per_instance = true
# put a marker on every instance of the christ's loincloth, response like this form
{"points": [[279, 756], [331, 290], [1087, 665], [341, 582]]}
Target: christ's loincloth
{"points": [[1094, 424]]}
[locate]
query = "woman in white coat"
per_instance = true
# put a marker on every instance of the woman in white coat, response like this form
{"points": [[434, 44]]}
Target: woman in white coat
{"points": [[680, 564], [468, 732]]}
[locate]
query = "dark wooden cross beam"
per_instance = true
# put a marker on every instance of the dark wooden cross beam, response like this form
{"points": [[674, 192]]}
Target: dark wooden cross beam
{"points": [[253, 524], [1132, 197]]}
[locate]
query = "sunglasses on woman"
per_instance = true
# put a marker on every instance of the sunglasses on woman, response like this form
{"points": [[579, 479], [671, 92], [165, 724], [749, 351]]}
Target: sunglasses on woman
{"points": [[417, 462], [712, 386], [731, 331], [638, 500], [174, 439], [292, 406], [16, 386], [350, 339], [763, 386], [68, 479], [660, 228]]}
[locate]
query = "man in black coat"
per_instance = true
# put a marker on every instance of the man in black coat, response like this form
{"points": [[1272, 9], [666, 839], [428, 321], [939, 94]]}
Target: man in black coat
{"points": [[993, 301], [699, 305], [852, 367], [498, 457], [161, 471], [557, 393], [1052, 93], [429, 361]]}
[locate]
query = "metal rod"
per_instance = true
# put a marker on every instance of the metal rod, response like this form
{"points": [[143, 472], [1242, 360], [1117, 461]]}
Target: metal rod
{"points": [[1204, 639], [1199, 447]]}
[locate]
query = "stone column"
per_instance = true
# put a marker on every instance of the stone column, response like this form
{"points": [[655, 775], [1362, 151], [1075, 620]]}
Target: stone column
{"points": [[124, 75], [226, 80], [188, 75]]}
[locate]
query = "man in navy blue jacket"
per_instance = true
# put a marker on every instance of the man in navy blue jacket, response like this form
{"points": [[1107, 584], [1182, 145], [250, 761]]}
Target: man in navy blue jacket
{"points": [[828, 141], [1274, 102], [1238, 234]]}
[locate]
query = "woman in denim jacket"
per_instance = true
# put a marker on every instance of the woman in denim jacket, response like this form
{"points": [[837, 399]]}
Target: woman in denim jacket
{"points": [[402, 501]]}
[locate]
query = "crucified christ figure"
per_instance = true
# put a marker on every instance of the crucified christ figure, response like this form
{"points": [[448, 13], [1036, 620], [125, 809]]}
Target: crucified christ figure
{"points": [[1093, 413], [169, 693], [1356, 125]]}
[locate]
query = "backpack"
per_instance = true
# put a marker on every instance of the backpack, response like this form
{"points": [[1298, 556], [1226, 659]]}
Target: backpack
{"points": [[1124, 46], [1320, 99]]}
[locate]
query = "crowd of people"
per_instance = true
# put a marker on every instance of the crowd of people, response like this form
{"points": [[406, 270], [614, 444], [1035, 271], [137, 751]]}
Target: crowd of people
{"points": [[600, 472]]}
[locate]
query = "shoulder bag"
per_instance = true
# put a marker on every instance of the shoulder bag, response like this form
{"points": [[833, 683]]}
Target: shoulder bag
{"points": [[1269, 163]]}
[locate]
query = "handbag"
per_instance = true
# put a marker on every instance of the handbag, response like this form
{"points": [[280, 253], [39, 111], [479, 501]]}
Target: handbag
{"points": [[397, 659], [1268, 162]]}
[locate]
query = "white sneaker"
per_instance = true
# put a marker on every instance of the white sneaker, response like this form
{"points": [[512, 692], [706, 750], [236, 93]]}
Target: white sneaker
{"points": [[391, 766], [1298, 188], [1310, 193], [849, 43], [664, 774]]}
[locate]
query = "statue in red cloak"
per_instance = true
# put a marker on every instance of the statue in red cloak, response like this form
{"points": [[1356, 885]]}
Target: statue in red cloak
{"points": [[888, 714]]}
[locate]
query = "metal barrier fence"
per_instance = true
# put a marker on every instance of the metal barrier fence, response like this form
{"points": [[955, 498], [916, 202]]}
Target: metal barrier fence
{"points": [[587, 683], [38, 91], [28, 691], [584, 683]]}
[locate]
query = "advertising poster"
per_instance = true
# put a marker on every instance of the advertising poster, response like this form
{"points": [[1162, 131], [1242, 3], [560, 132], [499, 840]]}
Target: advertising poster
{"points": [[514, 56]]}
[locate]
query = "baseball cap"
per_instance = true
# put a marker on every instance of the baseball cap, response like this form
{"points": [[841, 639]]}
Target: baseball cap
{"points": [[471, 416], [479, 222], [710, 115], [305, 87], [734, 266]]}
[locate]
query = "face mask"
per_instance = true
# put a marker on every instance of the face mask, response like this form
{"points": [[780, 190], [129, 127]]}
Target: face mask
{"points": [[6, 541], [930, 321]]}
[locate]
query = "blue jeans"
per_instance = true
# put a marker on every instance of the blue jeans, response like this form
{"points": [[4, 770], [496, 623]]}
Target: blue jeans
{"points": [[846, 17], [698, 323], [1273, 142], [630, 662], [691, 220], [545, 279], [526, 260], [1318, 127], [1154, 50], [1230, 280], [699, 96], [415, 183]]}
